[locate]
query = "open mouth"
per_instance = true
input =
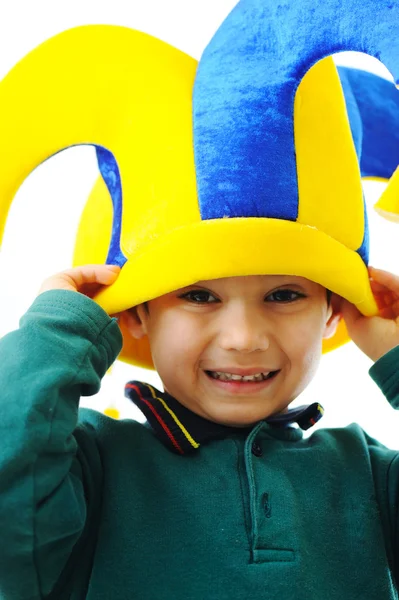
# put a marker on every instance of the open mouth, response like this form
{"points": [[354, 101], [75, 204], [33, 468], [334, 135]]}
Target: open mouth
{"points": [[259, 379]]}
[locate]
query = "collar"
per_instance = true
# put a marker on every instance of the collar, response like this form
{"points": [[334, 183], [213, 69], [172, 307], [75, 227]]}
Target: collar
{"points": [[183, 431]]}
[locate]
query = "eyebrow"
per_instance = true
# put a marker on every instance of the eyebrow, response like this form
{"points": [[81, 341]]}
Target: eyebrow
{"points": [[286, 277], [271, 285]]}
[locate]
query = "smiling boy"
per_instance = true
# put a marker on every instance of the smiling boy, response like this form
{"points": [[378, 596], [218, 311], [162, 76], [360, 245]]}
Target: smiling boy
{"points": [[246, 325], [239, 177], [209, 498]]}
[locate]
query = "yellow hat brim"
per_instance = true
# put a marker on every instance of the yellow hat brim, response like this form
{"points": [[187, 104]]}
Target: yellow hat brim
{"points": [[232, 247]]}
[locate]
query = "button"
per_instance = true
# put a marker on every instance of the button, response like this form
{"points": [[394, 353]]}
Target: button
{"points": [[256, 449]]}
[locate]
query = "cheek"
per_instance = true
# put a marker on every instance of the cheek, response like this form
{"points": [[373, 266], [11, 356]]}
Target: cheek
{"points": [[305, 350], [174, 340]]}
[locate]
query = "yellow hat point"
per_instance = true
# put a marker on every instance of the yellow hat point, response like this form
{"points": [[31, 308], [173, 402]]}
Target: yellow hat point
{"points": [[112, 412], [388, 203]]}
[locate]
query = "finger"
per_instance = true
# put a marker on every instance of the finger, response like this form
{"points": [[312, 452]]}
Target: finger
{"points": [[389, 280], [376, 286], [379, 292], [90, 289], [390, 312], [380, 301], [385, 294], [92, 274], [349, 311]]}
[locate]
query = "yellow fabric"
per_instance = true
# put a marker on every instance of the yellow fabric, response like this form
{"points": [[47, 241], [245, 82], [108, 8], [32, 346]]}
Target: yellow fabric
{"points": [[148, 272], [388, 203], [229, 248], [148, 80], [90, 247], [112, 412], [327, 165], [150, 134]]}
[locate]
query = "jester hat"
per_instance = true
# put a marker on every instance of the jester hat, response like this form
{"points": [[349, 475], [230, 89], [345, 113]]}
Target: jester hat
{"points": [[248, 162]]}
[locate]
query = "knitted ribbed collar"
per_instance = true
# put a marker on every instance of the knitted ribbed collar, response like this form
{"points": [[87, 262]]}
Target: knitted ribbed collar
{"points": [[183, 431]]}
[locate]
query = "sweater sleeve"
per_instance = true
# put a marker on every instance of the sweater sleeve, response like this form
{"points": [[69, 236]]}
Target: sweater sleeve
{"points": [[385, 373], [48, 469]]}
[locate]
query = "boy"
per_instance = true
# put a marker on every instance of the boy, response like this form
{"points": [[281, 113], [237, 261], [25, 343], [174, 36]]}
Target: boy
{"points": [[109, 509], [217, 496], [181, 331]]}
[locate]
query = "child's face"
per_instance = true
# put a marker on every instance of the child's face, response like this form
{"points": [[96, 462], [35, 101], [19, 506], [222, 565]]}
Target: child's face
{"points": [[266, 322]]}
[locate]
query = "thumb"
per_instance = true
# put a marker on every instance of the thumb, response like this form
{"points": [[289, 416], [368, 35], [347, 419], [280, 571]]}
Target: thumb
{"points": [[350, 314]]}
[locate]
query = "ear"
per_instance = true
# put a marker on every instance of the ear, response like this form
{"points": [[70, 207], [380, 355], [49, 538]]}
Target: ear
{"points": [[335, 315], [134, 321]]}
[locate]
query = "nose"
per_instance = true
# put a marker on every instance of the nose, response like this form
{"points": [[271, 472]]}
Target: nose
{"points": [[243, 330]]}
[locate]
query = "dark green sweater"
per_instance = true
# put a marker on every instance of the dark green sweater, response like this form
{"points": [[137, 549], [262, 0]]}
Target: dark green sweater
{"points": [[101, 509]]}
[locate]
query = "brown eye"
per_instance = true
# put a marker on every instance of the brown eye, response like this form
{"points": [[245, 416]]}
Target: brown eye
{"points": [[286, 296], [201, 297]]}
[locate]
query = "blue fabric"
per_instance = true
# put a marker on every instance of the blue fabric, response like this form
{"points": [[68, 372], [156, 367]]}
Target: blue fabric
{"points": [[355, 119], [364, 250], [243, 110], [373, 108], [110, 173], [245, 89]]}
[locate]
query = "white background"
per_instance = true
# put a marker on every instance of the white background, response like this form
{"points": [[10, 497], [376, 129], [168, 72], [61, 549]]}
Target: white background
{"points": [[43, 219]]}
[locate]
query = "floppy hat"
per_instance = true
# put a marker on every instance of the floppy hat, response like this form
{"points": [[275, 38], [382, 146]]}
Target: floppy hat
{"points": [[244, 163]]}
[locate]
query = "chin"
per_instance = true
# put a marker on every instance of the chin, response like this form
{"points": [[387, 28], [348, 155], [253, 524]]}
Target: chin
{"points": [[243, 420], [237, 421]]}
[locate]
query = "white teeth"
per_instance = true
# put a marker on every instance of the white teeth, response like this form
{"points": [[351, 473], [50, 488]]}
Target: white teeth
{"points": [[231, 376]]}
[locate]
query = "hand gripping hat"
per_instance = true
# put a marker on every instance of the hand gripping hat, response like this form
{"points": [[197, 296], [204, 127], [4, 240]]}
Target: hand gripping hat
{"points": [[248, 162]]}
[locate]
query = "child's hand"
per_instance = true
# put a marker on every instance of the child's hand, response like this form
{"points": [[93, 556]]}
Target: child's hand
{"points": [[87, 279], [375, 336]]}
